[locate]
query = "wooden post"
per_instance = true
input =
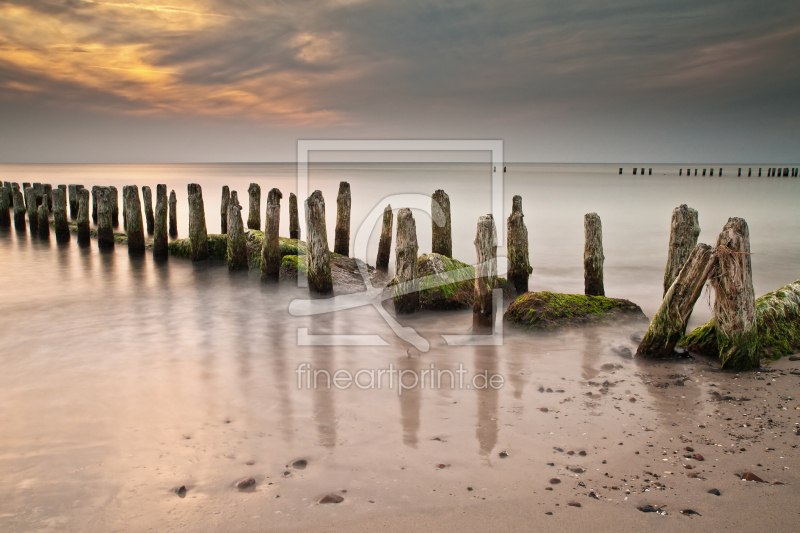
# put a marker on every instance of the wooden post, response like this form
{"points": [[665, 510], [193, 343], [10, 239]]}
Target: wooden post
{"points": [[294, 218], [84, 201], [147, 197], [19, 211], [223, 209], [95, 190], [485, 272], [9, 193], [684, 230], [271, 246], [593, 256], [669, 323], [48, 196], [319, 257], [160, 238], [114, 206], [60, 216], [39, 188], [5, 216], [44, 220], [173, 214], [342, 238], [406, 295], [385, 244], [124, 211], [33, 214], [198, 236], [237, 241], [442, 233], [25, 185], [133, 207], [254, 218], [105, 208], [734, 298], [519, 266], [72, 191]]}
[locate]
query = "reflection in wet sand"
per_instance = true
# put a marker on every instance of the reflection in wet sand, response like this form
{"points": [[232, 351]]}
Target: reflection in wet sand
{"points": [[410, 400], [485, 359]]}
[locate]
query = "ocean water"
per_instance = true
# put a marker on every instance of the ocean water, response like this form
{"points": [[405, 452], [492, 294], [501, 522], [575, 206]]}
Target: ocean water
{"points": [[121, 378]]}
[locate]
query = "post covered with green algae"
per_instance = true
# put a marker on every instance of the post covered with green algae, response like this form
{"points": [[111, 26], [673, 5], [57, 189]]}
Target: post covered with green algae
{"points": [[197, 223], [441, 225], [519, 266], [550, 310], [406, 295], [160, 238], [271, 248], [237, 242], [778, 319], [135, 229], [320, 278], [668, 325]]}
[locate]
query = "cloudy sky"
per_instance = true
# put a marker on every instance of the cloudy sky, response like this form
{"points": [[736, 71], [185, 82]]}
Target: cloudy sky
{"points": [[557, 80]]}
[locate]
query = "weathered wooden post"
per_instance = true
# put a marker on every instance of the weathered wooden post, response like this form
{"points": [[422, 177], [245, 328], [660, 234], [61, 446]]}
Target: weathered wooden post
{"points": [[385, 244], [133, 207], [485, 272], [237, 241], [114, 206], [442, 234], [39, 188], [124, 213], [223, 209], [684, 230], [33, 214], [669, 323], [72, 191], [160, 238], [254, 217], [271, 246], [105, 209], [60, 216], [84, 202], [173, 214], [519, 266], [25, 185], [147, 197], [9, 193], [342, 238], [95, 190], [44, 220], [319, 257], [294, 218], [5, 216], [406, 295], [198, 236], [593, 256], [19, 211], [48, 196], [734, 298]]}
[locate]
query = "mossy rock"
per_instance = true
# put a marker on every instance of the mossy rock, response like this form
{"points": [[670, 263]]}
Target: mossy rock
{"points": [[291, 265], [217, 247], [551, 310], [255, 241], [777, 326]]}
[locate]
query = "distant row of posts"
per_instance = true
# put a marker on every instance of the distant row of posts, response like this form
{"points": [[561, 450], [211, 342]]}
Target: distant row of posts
{"points": [[771, 172]]}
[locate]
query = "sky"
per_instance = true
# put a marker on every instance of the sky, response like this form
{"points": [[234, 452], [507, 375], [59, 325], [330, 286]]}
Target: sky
{"points": [[650, 81]]}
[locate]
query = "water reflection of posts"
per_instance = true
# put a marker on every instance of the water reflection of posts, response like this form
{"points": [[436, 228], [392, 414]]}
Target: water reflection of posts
{"points": [[410, 399], [486, 397]]}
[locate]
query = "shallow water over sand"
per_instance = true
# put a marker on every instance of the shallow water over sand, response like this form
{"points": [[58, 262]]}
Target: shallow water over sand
{"points": [[121, 379]]}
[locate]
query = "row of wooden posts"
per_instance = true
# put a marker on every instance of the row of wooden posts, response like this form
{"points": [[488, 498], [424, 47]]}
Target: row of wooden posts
{"points": [[771, 172]]}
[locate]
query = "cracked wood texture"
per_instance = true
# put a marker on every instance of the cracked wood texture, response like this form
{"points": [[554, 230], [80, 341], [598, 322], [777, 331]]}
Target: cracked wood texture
{"points": [[485, 272], [593, 256], [441, 228], [684, 231], [198, 236], [341, 244], [519, 266], [320, 279], [406, 295], [385, 244], [271, 248]]}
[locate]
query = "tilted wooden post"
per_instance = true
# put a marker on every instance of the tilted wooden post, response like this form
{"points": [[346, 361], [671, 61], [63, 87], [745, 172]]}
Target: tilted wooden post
{"points": [[406, 295], [385, 244], [734, 298], [160, 238], [342, 238], [684, 230], [593, 256], [519, 266], [320, 279], [147, 198], [223, 209], [84, 202], [133, 207], [105, 207], [72, 191], [60, 216], [5, 216], [271, 246], [442, 233], [44, 220], [198, 236], [173, 214], [33, 213], [668, 325], [19, 211], [114, 206], [237, 241], [294, 218], [485, 272], [254, 217]]}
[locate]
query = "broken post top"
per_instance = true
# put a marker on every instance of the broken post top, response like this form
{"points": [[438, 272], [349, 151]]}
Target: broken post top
{"points": [[441, 235], [516, 205], [274, 196]]}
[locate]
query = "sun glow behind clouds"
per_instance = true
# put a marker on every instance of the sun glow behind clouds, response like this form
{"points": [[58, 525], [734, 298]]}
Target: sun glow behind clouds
{"points": [[120, 50]]}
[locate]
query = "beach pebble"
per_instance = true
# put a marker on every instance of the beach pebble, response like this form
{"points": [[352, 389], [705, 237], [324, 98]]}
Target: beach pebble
{"points": [[300, 464], [749, 476], [555, 481], [331, 498], [574, 504], [698, 457], [245, 483], [715, 492], [503, 454], [690, 512], [180, 491]]}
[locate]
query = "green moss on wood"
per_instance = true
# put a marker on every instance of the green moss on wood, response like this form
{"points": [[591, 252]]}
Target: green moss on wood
{"points": [[217, 247], [549, 310]]}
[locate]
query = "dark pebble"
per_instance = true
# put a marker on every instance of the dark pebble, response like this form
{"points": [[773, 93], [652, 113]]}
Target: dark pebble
{"points": [[648, 509], [180, 491], [749, 476], [331, 498], [715, 492], [690, 512], [574, 504], [300, 464], [503, 455], [245, 483], [555, 481]]}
